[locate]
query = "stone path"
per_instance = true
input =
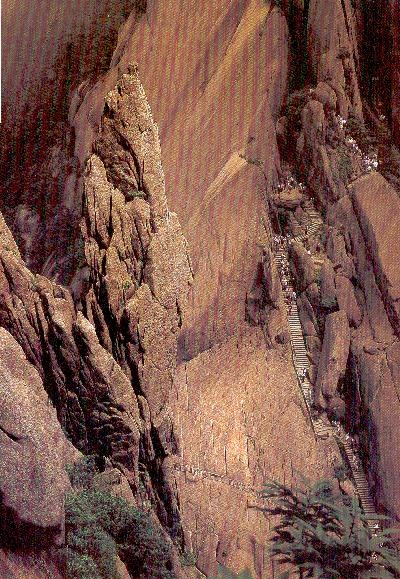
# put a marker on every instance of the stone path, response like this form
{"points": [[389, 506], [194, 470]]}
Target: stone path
{"points": [[224, 479], [302, 365]]}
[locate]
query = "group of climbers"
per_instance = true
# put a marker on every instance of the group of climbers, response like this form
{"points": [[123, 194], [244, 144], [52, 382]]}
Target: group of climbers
{"points": [[350, 442]]}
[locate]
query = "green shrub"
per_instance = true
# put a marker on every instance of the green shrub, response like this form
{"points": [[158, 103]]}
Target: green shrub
{"points": [[329, 303], [81, 567], [80, 256], [134, 193], [146, 551], [342, 472], [94, 542], [344, 166], [326, 534], [81, 473], [357, 129], [100, 526], [188, 559]]}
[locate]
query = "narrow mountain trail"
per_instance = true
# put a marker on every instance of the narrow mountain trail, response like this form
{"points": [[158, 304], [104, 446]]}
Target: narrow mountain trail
{"points": [[321, 428], [302, 365], [198, 472]]}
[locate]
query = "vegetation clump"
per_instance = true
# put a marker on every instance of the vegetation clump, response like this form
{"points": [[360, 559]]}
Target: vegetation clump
{"points": [[325, 534], [101, 526], [133, 193]]}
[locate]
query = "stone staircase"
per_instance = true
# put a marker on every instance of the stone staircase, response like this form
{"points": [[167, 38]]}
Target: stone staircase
{"points": [[301, 363]]}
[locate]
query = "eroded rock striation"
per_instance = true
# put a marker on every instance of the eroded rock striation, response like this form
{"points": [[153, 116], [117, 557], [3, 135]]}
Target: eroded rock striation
{"points": [[171, 358], [107, 365]]}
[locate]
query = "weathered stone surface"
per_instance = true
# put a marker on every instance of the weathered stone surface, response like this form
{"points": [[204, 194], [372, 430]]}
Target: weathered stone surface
{"points": [[377, 206], [326, 96], [337, 253], [333, 363], [28, 565], [313, 349], [80, 377], [218, 406], [134, 247], [347, 301], [314, 124], [27, 228], [328, 288], [302, 266], [333, 49], [377, 318], [312, 151], [390, 73], [93, 367], [215, 158], [307, 316], [289, 198], [377, 374], [34, 453], [7, 241]]}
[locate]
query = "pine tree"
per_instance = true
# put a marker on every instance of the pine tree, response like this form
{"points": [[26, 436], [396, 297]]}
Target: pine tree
{"points": [[326, 535]]}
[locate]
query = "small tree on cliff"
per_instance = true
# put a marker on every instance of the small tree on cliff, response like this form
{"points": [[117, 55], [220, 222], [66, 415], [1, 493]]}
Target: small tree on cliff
{"points": [[326, 535]]}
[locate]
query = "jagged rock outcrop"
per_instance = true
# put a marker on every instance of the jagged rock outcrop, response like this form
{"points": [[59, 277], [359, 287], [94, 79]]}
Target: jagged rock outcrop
{"points": [[93, 397], [139, 268], [370, 224], [106, 350], [360, 237], [377, 207], [216, 158], [109, 373], [25, 565], [347, 301], [302, 265], [36, 143]]}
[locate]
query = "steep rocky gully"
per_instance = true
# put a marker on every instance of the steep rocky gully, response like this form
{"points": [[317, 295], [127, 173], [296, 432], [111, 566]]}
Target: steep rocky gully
{"points": [[142, 316]]}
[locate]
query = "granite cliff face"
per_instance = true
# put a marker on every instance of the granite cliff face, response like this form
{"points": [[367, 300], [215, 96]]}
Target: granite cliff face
{"points": [[109, 392], [347, 287], [145, 312]]}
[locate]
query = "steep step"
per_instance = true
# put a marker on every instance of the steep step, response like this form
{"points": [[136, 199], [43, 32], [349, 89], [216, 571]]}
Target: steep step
{"points": [[301, 363]]}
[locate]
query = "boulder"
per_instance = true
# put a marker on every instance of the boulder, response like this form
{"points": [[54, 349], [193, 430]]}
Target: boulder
{"points": [[34, 453], [347, 301], [377, 206], [328, 289], [333, 363], [302, 266], [289, 198]]}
